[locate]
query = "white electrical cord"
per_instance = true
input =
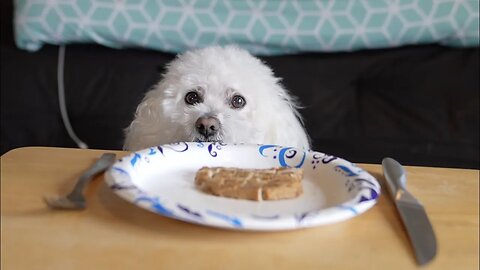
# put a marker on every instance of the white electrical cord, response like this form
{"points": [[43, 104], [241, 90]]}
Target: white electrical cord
{"points": [[61, 99]]}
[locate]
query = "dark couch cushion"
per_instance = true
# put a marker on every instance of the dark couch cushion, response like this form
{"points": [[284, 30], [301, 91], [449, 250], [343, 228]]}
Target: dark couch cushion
{"points": [[419, 104]]}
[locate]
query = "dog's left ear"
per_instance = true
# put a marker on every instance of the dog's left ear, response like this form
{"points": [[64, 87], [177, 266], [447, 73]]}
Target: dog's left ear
{"points": [[294, 132]]}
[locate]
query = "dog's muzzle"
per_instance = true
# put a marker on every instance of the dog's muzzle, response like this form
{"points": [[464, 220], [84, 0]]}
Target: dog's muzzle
{"points": [[208, 126]]}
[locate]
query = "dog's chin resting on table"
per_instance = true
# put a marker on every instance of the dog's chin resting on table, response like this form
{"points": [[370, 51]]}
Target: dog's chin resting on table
{"points": [[215, 94]]}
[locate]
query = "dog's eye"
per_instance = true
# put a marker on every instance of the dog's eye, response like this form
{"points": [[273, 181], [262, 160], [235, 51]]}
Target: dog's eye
{"points": [[192, 98], [238, 102]]}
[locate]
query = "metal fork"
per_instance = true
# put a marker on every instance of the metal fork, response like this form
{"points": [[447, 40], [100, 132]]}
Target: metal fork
{"points": [[75, 199]]}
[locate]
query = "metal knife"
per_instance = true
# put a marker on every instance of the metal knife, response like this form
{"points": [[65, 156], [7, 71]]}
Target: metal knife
{"points": [[411, 211]]}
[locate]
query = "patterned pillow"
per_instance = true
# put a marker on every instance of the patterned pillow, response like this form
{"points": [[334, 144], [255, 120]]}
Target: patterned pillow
{"points": [[262, 26]]}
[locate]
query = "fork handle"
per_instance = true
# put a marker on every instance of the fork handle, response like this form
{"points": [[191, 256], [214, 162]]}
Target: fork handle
{"points": [[105, 161]]}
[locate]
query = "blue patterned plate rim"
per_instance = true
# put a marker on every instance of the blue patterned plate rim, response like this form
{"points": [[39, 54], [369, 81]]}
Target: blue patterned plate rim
{"points": [[161, 179]]}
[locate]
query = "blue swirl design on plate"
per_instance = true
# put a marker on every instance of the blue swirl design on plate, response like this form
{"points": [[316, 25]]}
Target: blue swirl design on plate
{"points": [[155, 205], [136, 157], [284, 155], [359, 184], [235, 222], [320, 157], [345, 170], [212, 147], [367, 185], [366, 181], [358, 169], [177, 147], [122, 186], [328, 158], [356, 182], [189, 211], [121, 171], [302, 216], [373, 196]]}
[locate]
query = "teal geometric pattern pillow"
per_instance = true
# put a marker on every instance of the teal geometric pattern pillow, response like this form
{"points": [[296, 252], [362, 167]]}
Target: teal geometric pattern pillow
{"points": [[265, 27]]}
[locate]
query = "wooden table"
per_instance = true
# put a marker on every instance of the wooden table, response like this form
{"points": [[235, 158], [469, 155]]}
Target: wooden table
{"points": [[114, 234]]}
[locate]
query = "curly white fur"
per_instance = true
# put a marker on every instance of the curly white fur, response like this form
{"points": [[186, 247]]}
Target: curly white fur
{"points": [[270, 115]]}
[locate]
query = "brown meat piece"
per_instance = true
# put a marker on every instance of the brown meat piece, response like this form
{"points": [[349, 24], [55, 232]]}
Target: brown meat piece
{"points": [[251, 184]]}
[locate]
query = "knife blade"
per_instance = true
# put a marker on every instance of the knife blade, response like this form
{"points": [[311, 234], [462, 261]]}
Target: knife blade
{"points": [[415, 219]]}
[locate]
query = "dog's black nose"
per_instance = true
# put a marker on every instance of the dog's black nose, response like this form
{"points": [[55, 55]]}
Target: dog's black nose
{"points": [[207, 126]]}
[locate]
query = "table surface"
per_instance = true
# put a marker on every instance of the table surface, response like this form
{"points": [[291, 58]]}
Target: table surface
{"points": [[114, 234]]}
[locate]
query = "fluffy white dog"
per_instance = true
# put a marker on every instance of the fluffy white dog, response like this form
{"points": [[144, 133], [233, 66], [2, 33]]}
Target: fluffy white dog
{"points": [[217, 94]]}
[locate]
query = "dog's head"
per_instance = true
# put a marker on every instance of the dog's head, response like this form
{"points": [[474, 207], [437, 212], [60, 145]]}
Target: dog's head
{"points": [[217, 94]]}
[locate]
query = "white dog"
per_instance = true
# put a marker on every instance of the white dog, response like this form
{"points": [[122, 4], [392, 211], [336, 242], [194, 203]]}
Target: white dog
{"points": [[217, 94]]}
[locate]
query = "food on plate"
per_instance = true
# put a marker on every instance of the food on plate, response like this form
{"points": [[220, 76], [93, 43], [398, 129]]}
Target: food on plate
{"points": [[251, 184]]}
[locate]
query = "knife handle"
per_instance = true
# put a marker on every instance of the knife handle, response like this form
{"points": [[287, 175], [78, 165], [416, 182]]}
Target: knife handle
{"points": [[395, 176]]}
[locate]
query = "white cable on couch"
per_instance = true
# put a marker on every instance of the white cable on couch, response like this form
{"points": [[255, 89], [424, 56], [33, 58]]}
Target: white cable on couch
{"points": [[61, 99]]}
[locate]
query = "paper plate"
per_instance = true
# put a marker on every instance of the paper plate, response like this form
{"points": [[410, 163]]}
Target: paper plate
{"points": [[161, 179]]}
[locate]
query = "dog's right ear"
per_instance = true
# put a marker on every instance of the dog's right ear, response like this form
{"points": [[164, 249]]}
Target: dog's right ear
{"points": [[148, 126]]}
